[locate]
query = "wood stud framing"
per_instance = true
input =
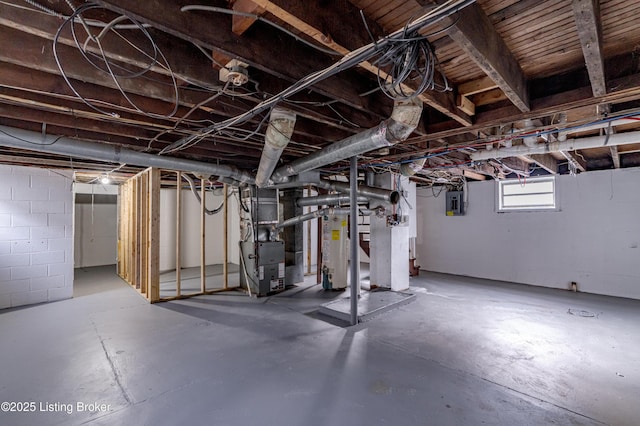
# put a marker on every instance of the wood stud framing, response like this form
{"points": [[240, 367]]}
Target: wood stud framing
{"points": [[139, 237], [139, 233]]}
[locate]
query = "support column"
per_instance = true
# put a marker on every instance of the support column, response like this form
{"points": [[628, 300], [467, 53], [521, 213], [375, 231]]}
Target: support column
{"points": [[178, 233], [225, 238], [203, 265], [355, 261]]}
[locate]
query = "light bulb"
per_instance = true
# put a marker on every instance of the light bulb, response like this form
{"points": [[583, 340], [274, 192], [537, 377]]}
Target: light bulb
{"points": [[105, 180]]}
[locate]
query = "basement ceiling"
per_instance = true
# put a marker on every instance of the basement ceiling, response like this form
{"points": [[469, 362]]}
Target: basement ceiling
{"points": [[146, 75]]}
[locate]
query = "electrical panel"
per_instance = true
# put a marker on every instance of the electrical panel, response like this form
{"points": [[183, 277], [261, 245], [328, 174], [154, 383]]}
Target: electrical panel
{"points": [[455, 203]]}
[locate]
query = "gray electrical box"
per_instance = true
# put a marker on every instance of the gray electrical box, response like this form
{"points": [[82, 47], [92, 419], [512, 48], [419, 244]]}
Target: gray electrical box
{"points": [[455, 203]]}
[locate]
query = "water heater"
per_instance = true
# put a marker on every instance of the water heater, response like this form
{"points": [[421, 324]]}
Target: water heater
{"points": [[334, 252]]}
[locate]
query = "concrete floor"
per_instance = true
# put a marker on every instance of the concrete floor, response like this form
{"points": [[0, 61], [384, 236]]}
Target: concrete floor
{"points": [[465, 352], [190, 279]]}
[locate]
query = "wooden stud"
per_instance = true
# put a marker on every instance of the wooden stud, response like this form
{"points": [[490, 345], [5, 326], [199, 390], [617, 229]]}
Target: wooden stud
{"points": [[466, 105], [144, 234], [153, 252], [476, 86], [240, 24], [615, 156]]}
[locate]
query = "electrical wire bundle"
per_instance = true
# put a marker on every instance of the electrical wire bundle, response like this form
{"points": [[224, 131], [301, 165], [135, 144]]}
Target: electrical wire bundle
{"points": [[101, 62], [352, 59], [409, 58]]}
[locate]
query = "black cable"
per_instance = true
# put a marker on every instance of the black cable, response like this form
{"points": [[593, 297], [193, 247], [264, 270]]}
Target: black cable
{"points": [[78, 14], [410, 58], [30, 142], [352, 59]]}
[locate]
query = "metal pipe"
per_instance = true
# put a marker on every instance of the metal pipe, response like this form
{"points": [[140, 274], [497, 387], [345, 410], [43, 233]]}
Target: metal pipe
{"points": [[33, 141], [386, 195], [568, 145], [276, 139], [353, 242], [403, 121], [328, 200], [322, 212], [369, 177]]}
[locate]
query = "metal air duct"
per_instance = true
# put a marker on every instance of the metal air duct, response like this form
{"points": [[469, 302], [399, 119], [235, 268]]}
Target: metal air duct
{"points": [[328, 200], [320, 213], [403, 121], [24, 139], [370, 192], [277, 137]]}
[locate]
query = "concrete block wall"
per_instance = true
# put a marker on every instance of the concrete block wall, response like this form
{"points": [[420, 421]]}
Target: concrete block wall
{"points": [[36, 235], [593, 239]]}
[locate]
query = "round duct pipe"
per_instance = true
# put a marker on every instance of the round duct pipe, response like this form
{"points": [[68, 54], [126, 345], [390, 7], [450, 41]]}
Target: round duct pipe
{"points": [[277, 137], [410, 169]]}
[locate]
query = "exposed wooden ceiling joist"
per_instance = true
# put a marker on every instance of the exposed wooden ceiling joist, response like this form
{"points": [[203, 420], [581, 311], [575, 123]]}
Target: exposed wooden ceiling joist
{"points": [[341, 29], [258, 49], [475, 34], [587, 16]]}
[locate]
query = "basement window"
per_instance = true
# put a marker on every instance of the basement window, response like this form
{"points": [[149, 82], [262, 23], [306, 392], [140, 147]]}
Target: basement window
{"points": [[527, 194]]}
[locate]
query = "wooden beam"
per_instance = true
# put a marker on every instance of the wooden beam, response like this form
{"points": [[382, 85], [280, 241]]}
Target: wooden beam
{"points": [[108, 130], [587, 17], [475, 34], [260, 49], [240, 24], [576, 160], [186, 62], [473, 87], [615, 156], [344, 33], [546, 161], [472, 174], [624, 89], [515, 9]]}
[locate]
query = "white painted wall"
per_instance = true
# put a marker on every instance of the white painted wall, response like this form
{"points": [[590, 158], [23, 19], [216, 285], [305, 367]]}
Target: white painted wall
{"points": [[96, 228], [36, 235], [594, 239], [96, 235], [190, 230]]}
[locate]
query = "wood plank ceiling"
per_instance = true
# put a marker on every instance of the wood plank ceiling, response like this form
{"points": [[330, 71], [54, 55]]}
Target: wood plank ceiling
{"points": [[553, 69]]}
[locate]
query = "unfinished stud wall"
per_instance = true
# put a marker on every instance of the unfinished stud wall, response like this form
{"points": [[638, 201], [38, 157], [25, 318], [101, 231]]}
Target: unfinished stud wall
{"points": [[593, 240], [36, 235], [190, 230], [139, 233]]}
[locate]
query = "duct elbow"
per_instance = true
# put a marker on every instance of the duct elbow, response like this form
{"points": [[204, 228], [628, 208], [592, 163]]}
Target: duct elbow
{"points": [[404, 119], [410, 169], [277, 137]]}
